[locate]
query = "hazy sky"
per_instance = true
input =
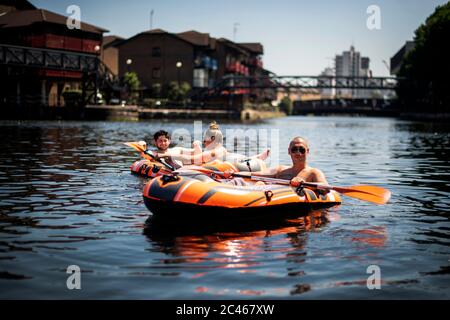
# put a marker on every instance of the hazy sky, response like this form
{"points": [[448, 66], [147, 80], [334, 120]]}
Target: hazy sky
{"points": [[299, 37]]}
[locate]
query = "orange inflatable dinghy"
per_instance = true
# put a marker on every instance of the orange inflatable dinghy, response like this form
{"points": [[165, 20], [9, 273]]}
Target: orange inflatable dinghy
{"points": [[199, 197], [151, 169]]}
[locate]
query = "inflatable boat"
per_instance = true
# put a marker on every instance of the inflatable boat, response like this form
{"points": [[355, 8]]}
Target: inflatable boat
{"points": [[151, 169], [196, 196]]}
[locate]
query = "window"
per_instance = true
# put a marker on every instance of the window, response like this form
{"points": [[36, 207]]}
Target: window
{"points": [[200, 78], [156, 73], [156, 52]]}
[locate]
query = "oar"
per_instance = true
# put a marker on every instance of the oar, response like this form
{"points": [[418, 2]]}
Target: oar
{"points": [[136, 146], [368, 193], [372, 194]]}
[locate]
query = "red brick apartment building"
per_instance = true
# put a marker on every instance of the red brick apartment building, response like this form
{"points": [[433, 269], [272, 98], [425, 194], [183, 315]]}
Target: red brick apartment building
{"points": [[40, 55], [160, 57]]}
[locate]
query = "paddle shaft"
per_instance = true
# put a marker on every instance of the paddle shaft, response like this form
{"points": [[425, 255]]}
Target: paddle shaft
{"points": [[140, 148], [372, 194]]}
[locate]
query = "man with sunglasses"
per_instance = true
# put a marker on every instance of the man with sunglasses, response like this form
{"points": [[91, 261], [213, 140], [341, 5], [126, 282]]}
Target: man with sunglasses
{"points": [[299, 171]]}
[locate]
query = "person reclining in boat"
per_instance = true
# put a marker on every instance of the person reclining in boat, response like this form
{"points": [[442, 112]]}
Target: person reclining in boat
{"points": [[162, 143], [297, 173], [214, 150]]}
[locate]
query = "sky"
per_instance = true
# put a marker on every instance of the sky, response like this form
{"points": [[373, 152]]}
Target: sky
{"points": [[299, 37]]}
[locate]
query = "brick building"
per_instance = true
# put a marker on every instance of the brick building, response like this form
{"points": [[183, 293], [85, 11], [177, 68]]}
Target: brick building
{"points": [[110, 53], [161, 57], [37, 51]]}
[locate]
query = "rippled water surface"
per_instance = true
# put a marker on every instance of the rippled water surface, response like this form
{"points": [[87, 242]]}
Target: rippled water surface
{"points": [[67, 198]]}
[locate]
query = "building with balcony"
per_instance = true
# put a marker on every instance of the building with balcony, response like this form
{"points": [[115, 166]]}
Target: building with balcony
{"points": [[42, 76], [161, 57]]}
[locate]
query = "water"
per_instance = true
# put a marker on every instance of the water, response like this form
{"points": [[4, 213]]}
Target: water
{"points": [[67, 198]]}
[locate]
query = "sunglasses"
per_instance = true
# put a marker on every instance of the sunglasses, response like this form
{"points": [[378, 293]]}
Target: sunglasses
{"points": [[302, 150]]}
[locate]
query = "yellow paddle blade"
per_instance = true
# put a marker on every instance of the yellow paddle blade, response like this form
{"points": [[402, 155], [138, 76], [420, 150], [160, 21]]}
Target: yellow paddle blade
{"points": [[135, 145], [138, 147], [373, 194]]}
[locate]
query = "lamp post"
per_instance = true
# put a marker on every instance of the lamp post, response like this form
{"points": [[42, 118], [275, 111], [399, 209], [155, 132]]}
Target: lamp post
{"points": [[97, 49], [179, 65], [129, 62]]}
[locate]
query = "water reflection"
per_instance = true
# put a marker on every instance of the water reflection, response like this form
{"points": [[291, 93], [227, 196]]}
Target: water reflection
{"points": [[242, 247]]}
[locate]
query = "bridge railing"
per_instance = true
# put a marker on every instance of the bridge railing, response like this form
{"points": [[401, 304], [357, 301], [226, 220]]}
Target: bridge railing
{"points": [[307, 82], [47, 58]]}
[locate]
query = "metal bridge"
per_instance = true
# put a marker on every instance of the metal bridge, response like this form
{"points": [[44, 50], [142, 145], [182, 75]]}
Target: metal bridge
{"points": [[233, 83], [95, 74]]}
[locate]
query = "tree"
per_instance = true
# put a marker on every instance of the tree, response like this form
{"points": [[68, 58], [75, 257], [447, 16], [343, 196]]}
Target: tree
{"points": [[286, 105], [425, 73], [176, 92], [172, 91], [132, 81]]}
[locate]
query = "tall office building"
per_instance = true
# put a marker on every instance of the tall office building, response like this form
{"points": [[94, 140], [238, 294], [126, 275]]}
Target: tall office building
{"points": [[351, 64]]}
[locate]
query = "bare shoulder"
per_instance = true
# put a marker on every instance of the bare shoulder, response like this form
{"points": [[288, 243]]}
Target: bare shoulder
{"points": [[315, 171], [318, 175], [281, 168]]}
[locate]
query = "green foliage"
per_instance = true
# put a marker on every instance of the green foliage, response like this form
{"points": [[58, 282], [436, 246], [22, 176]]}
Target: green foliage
{"points": [[177, 93], [132, 81], [426, 68], [184, 89], [286, 105]]}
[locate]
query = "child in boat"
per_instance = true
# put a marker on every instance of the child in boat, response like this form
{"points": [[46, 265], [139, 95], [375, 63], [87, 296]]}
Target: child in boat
{"points": [[162, 143], [213, 150]]}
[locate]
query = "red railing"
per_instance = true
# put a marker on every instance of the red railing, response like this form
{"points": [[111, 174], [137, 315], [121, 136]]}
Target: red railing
{"points": [[63, 42]]}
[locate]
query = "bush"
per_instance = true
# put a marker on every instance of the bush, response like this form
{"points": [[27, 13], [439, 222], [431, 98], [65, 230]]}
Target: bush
{"points": [[286, 105], [177, 93], [131, 80]]}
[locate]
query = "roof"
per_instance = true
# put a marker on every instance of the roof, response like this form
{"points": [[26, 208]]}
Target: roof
{"points": [[254, 47], [155, 31], [190, 37], [195, 37], [111, 41], [201, 40], [148, 32], [233, 45], [28, 17], [18, 4]]}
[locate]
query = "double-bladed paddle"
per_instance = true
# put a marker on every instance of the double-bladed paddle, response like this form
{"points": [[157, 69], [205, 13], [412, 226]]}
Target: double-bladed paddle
{"points": [[138, 147]]}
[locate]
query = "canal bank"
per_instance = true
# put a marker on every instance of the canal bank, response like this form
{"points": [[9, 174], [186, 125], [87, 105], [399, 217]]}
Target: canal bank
{"points": [[136, 113]]}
